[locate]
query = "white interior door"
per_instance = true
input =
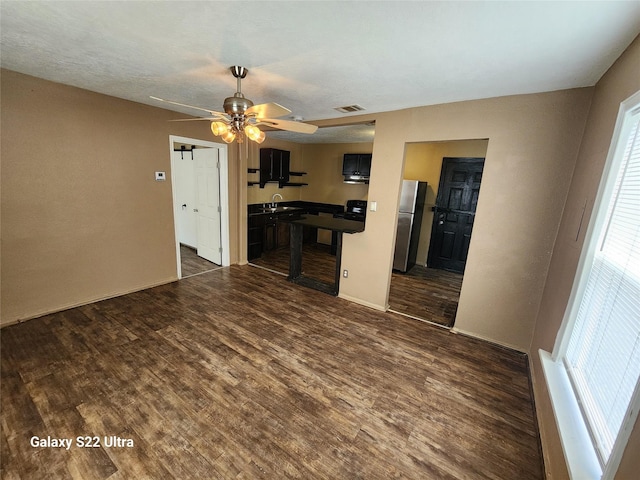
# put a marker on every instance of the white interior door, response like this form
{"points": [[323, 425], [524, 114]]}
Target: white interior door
{"points": [[207, 173], [184, 197]]}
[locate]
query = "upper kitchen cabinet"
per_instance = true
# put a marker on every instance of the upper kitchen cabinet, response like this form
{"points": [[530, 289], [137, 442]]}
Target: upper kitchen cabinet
{"points": [[356, 167], [274, 165]]}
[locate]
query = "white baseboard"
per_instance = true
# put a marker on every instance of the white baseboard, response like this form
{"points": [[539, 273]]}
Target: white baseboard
{"points": [[375, 306]]}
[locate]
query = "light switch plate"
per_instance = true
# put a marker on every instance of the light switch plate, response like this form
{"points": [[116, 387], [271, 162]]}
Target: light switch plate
{"points": [[373, 206], [160, 176]]}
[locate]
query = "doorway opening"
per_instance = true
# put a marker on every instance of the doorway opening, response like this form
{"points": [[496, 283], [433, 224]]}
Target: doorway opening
{"points": [[428, 288], [199, 176]]}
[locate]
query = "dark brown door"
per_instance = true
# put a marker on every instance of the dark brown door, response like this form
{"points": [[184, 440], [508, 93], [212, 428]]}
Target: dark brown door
{"points": [[455, 213]]}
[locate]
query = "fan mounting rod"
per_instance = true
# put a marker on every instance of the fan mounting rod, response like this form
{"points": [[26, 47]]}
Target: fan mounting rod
{"points": [[239, 73], [237, 104]]}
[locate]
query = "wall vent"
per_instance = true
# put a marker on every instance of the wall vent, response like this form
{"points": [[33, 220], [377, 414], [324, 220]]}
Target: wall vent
{"points": [[349, 109]]}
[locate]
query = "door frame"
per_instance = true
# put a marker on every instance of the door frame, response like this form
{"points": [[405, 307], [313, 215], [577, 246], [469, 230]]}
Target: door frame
{"points": [[224, 196]]}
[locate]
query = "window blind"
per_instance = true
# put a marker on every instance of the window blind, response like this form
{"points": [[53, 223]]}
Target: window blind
{"points": [[603, 353]]}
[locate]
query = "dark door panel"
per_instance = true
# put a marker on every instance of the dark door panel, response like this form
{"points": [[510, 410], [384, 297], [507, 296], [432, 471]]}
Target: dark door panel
{"points": [[455, 212]]}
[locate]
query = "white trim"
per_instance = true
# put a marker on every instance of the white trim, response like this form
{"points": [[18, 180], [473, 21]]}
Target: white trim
{"points": [[224, 196], [202, 273], [623, 436], [363, 302], [423, 320], [582, 460], [267, 269], [484, 338]]}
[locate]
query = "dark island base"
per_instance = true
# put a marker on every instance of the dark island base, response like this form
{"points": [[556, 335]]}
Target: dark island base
{"points": [[338, 227]]}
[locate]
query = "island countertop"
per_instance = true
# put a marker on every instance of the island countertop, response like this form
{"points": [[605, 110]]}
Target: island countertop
{"points": [[329, 223]]}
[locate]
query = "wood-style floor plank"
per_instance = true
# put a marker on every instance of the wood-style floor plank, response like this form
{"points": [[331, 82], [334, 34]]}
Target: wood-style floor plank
{"points": [[426, 293], [423, 293], [192, 264], [237, 373]]}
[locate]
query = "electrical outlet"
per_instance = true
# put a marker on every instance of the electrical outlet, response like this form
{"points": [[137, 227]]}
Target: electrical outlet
{"points": [[345, 273], [160, 177]]}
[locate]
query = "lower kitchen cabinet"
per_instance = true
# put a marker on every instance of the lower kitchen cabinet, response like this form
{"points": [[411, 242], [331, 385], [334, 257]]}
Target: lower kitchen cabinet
{"points": [[270, 230], [266, 232], [255, 234], [270, 233], [282, 233]]}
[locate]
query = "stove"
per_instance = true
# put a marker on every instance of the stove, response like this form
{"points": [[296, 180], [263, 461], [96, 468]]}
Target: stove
{"points": [[354, 210]]}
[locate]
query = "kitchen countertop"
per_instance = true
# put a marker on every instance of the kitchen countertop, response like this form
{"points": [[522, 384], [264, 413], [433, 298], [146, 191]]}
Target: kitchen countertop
{"points": [[278, 209], [329, 223], [295, 205]]}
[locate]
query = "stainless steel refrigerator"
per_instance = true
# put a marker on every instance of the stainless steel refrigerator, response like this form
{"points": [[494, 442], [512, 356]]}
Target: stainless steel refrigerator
{"points": [[409, 221]]}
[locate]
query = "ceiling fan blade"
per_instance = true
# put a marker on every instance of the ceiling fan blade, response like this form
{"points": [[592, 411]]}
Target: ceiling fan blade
{"points": [[271, 110], [211, 119], [212, 112], [288, 125]]}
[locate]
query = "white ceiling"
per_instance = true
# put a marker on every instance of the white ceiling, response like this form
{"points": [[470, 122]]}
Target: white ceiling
{"points": [[313, 56]]}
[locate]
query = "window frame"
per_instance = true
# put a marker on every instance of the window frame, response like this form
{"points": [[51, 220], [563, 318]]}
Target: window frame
{"points": [[554, 364]]}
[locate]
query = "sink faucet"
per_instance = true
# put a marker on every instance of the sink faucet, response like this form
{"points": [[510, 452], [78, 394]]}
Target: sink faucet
{"points": [[273, 199]]}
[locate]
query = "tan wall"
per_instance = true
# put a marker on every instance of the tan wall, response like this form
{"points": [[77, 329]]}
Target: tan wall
{"points": [[82, 215], [619, 83], [323, 165], [423, 162], [323, 162], [533, 144]]}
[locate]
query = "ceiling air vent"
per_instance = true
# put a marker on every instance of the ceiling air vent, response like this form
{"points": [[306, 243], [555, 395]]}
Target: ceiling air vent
{"points": [[349, 109]]}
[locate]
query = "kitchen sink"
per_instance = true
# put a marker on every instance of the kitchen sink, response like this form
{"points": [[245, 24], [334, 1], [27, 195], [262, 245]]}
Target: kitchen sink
{"points": [[279, 209]]}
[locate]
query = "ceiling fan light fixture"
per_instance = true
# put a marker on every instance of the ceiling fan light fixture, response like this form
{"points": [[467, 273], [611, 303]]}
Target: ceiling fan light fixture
{"points": [[229, 137], [241, 117], [254, 133], [219, 128]]}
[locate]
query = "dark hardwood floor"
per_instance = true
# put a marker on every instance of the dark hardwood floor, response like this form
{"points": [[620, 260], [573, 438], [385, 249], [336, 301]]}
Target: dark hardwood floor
{"points": [[426, 293], [192, 264], [423, 293], [237, 373], [317, 261]]}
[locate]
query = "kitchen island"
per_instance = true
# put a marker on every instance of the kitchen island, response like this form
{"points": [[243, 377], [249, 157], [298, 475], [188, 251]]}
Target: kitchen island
{"points": [[337, 225]]}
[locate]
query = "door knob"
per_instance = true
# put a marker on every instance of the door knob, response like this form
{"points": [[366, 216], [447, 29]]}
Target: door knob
{"points": [[440, 222]]}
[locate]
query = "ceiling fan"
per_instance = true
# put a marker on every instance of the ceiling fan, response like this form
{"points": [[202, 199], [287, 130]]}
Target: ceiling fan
{"points": [[241, 117]]}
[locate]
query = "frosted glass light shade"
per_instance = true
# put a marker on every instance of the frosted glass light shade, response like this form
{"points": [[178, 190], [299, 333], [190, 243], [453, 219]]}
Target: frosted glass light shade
{"points": [[219, 128], [254, 133], [228, 136]]}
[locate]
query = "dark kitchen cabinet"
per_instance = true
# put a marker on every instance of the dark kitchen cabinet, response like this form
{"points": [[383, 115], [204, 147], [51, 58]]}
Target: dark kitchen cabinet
{"points": [[356, 164], [274, 166], [255, 236], [272, 230], [270, 241], [282, 236]]}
